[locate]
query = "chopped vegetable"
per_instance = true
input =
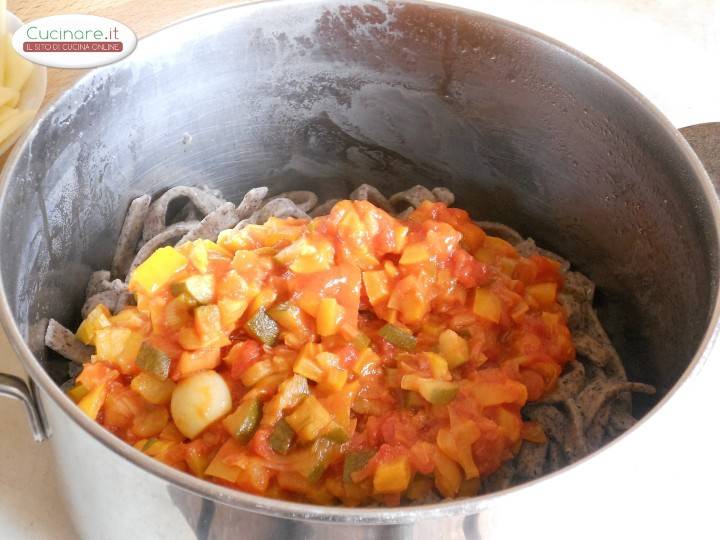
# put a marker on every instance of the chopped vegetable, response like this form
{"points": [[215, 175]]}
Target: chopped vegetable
{"points": [[453, 348], [309, 419], [329, 315], [78, 392], [392, 476], [263, 327], [282, 437], [198, 401], [487, 305], [153, 389], [97, 319], [355, 461], [200, 289], [153, 360], [93, 401], [398, 337], [244, 421], [157, 270], [354, 358]]}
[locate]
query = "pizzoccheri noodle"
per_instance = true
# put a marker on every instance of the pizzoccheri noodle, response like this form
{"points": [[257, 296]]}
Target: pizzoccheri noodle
{"points": [[589, 406]]}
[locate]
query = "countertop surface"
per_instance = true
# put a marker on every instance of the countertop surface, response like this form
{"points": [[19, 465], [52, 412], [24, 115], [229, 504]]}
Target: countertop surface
{"points": [[668, 49]]}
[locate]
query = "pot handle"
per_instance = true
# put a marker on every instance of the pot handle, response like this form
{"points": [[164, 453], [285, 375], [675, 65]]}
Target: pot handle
{"points": [[15, 387], [705, 141]]}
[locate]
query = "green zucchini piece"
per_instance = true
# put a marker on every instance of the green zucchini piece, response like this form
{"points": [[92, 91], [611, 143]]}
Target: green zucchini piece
{"points": [[200, 288], [153, 360], [282, 437], [263, 327], [437, 392], [244, 421], [355, 461], [398, 336]]}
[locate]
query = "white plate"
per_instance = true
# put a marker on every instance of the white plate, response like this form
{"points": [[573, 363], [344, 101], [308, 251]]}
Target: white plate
{"points": [[33, 92]]}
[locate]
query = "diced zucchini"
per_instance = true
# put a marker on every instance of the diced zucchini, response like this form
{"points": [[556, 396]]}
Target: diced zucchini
{"points": [[398, 336], [419, 488], [309, 419], [412, 400], [263, 327], [153, 389], [289, 394], [392, 476], [153, 360], [322, 454], [355, 461], [336, 433], [453, 348], [199, 288], [244, 421], [437, 392], [281, 437]]}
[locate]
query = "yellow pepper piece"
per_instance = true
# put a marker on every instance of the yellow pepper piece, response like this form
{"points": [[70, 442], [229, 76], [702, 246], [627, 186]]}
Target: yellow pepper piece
{"points": [[393, 476], [376, 285], [414, 254], [543, 293], [97, 319], [487, 305], [329, 315], [438, 366], [157, 270], [94, 400], [448, 475]]}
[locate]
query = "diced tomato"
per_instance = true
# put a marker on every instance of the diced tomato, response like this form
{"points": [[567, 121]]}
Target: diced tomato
{"points": [[242, 355], [469, 271]]}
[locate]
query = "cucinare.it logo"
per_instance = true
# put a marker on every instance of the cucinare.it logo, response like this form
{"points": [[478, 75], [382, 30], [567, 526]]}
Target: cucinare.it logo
{"points": [[74, 41]]}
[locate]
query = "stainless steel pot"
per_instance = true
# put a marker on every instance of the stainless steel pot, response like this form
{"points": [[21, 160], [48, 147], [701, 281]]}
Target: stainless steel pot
{"points": [[324, 96]]}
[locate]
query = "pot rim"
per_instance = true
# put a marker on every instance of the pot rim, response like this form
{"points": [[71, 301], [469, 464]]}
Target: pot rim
{"points": [[311, 512]]}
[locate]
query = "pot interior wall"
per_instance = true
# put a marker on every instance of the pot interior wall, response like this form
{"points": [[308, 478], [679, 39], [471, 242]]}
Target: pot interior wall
{"points": [[326, 96]]}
